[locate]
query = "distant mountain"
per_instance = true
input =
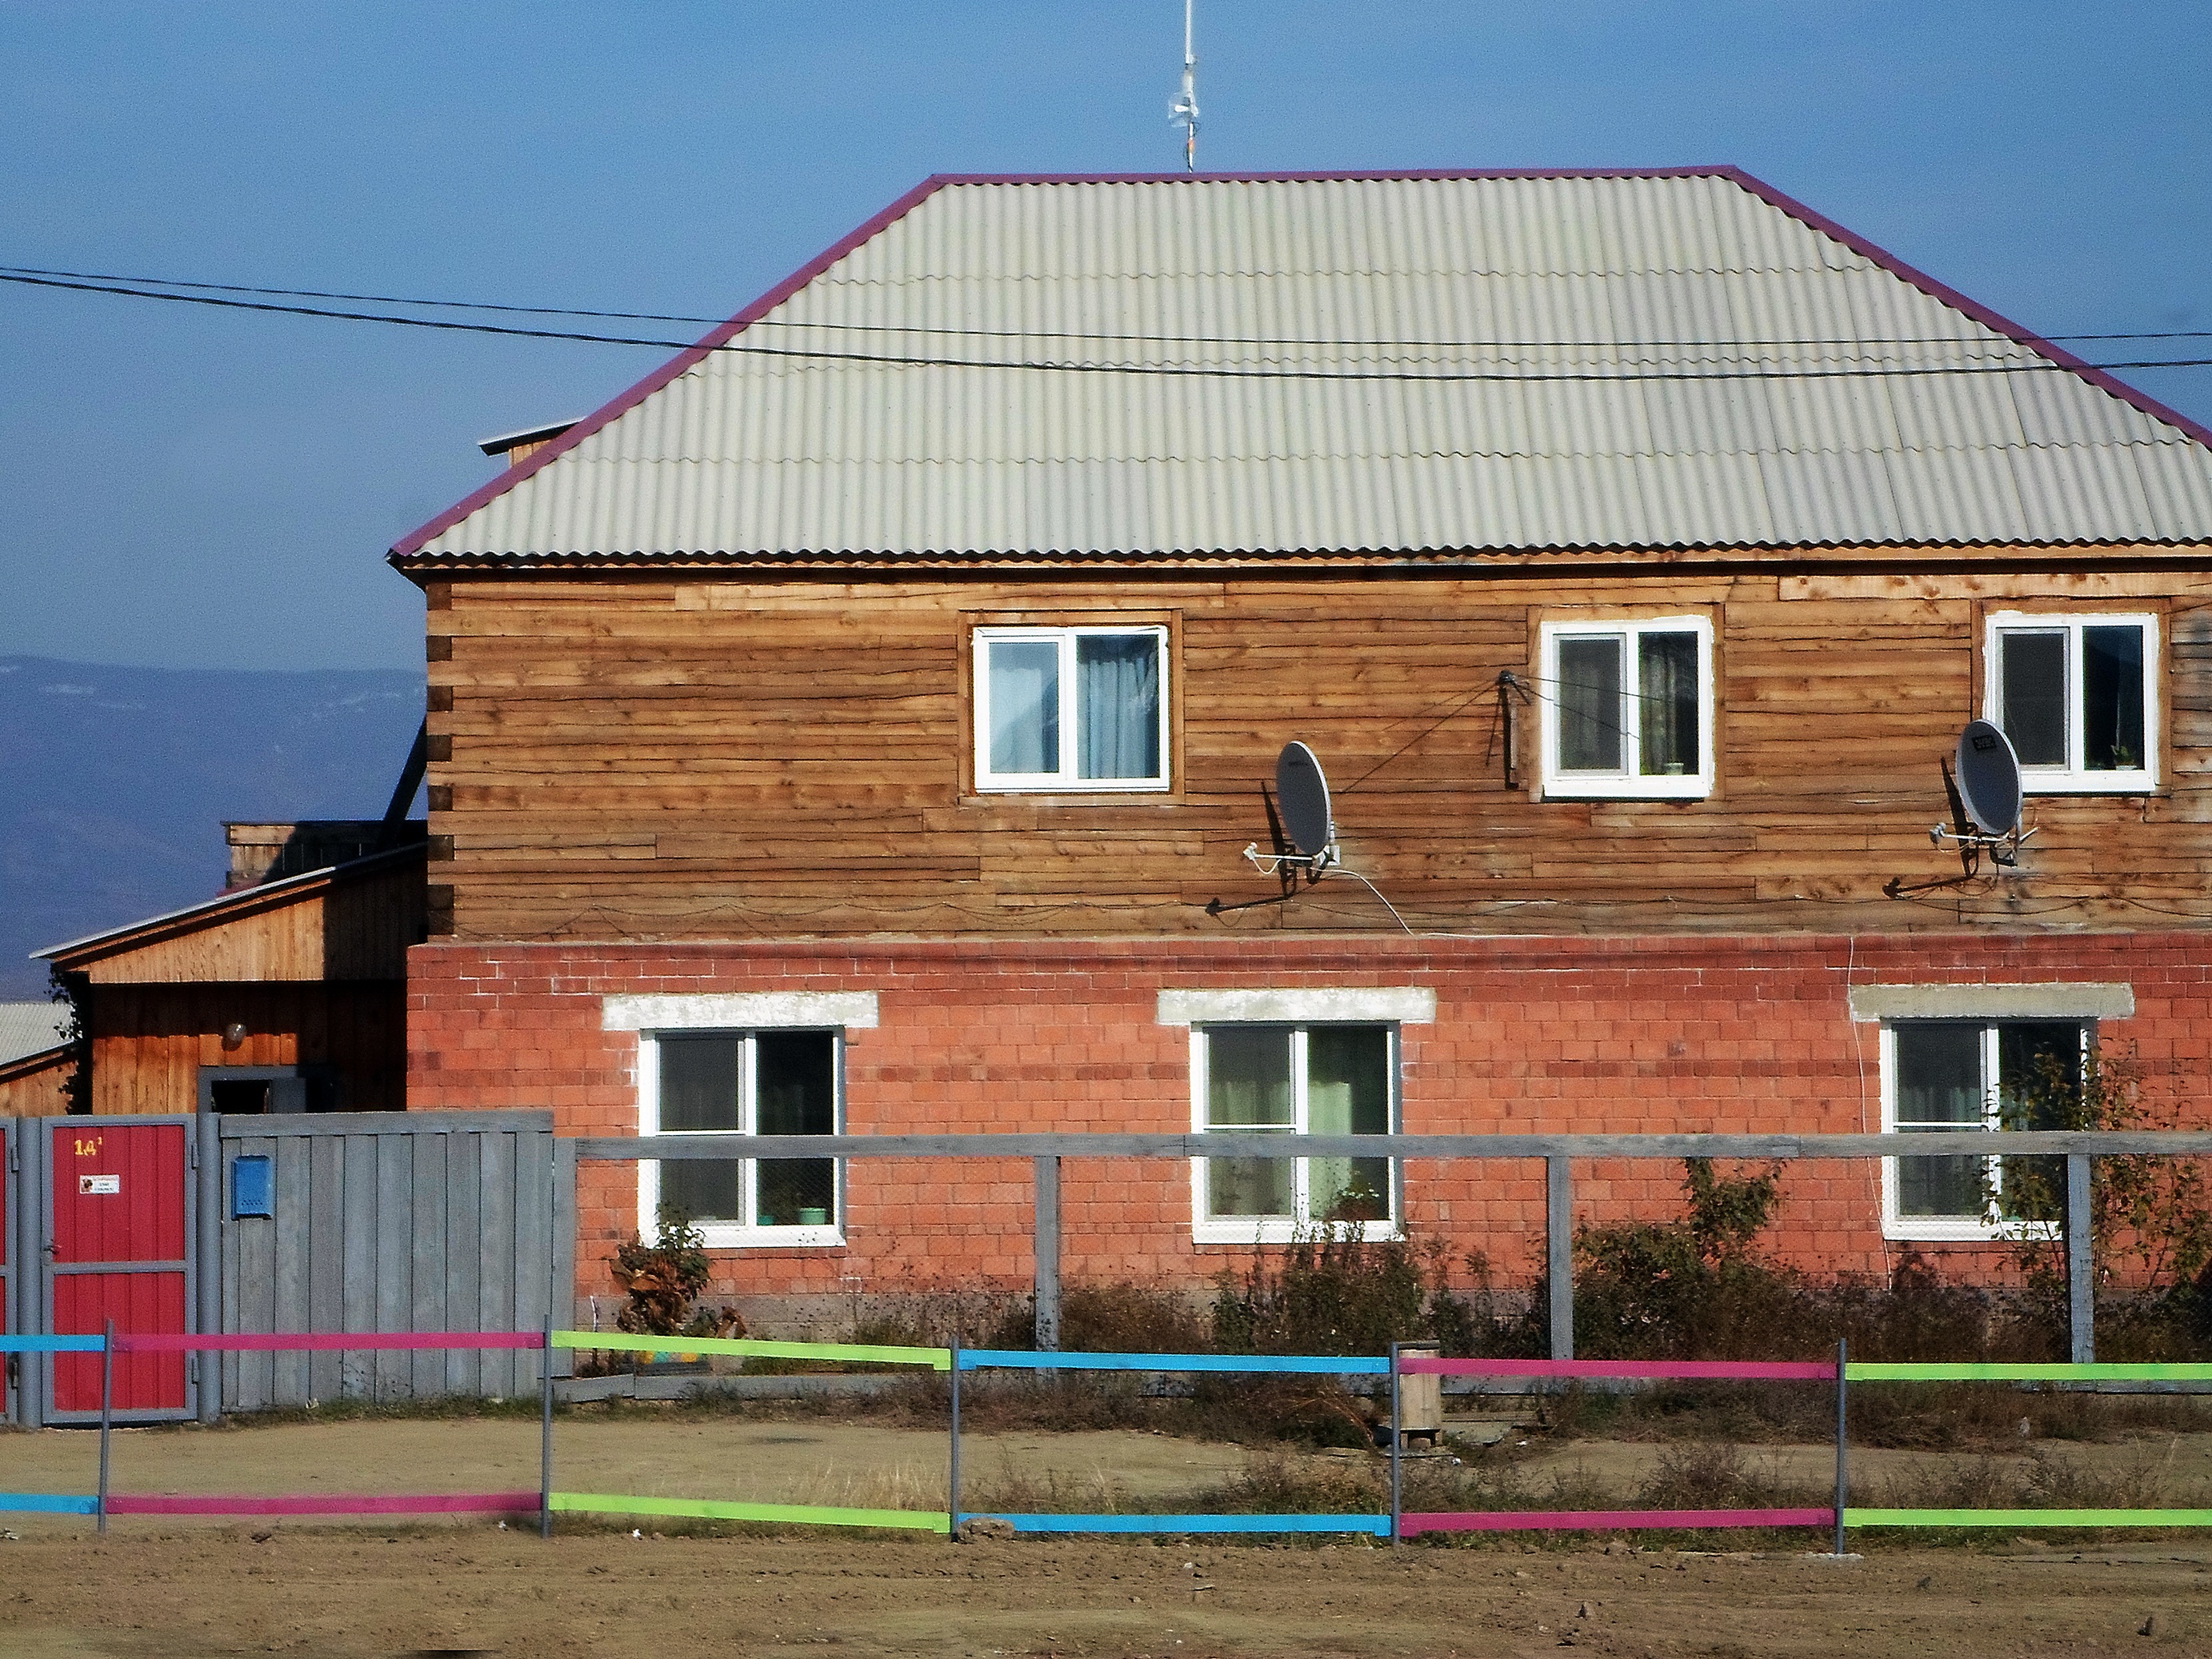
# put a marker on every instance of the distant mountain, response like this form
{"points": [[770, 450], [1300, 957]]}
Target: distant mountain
{"points": [[114, 783]]}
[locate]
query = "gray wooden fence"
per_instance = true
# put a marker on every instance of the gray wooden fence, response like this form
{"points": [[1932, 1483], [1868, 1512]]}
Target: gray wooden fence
{"points": [[1047, 1148], [385, 1221]]}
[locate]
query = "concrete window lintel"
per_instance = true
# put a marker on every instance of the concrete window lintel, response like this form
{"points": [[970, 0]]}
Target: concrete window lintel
{"points": [[1871, 1003], [751, 1011], [1407, 1005]]}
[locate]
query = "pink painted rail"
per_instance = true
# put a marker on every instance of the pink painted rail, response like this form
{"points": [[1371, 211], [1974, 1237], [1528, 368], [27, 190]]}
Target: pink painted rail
{"points": [[1671, 1371], [1605, 1520], [464, 1503], [323, 1341]]}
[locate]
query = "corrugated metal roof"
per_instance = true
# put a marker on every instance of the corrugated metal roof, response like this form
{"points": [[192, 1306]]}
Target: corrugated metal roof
{"points": [[1288, 365], [29, 1028]]}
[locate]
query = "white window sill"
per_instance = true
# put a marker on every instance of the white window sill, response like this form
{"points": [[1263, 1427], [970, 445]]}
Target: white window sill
{"points": [[769, 1239], [1282, 1230], [1572, 788], [2036, 782], [1070, 785], [1960, 1230]]}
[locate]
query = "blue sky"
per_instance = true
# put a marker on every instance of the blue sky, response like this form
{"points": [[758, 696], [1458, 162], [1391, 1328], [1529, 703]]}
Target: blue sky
{"points": [[189, 488]]}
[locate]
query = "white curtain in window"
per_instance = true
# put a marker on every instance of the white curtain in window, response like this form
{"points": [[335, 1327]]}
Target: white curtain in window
{"points": [[1117, 705]]}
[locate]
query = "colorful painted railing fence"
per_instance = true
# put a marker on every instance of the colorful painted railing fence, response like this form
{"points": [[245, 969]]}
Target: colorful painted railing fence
{"points": [[49, 1503], [1887, 1372], [1398, 1523], [977, 1359], [704, 1509], [104, 1503], [1412, 1524]]}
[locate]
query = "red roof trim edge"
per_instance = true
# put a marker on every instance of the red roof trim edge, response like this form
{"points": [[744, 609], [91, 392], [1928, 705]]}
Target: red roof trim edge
{"points": [[1974, 309], [681, 363]]}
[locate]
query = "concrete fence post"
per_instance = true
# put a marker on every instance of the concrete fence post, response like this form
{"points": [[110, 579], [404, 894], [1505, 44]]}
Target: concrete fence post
{"points": [[1559, 1250]]}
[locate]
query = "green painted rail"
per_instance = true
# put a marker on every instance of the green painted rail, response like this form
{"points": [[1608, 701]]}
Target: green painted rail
{"points": [[1865, 1371], [2028, 1517], [702, 1509], [622, 1342]]}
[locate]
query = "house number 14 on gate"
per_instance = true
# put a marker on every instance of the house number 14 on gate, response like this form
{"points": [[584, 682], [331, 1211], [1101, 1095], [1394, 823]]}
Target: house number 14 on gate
{"points": [[107, 1186]]}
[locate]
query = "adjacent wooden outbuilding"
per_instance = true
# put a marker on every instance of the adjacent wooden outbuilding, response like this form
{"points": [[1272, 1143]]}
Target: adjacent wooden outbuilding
{"points": [[285, 996]]}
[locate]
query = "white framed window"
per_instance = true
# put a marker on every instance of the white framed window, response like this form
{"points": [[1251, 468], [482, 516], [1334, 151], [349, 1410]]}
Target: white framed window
{"points": [[1628, 708], [1947, 1075], [1293, 1079], [2078, 696], [767, 1082], [1071, 708]]}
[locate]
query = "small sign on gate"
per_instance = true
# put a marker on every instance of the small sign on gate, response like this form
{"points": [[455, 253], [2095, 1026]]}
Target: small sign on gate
{"points": [[99, 1186]]}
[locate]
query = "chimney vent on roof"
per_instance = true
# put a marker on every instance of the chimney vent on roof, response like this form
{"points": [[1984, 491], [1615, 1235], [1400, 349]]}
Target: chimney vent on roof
{"points": [[520, 446]]}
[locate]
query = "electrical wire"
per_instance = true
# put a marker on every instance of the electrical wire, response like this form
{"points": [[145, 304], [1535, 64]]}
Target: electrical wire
{"points": [[1201, 371], [1116, 337]]}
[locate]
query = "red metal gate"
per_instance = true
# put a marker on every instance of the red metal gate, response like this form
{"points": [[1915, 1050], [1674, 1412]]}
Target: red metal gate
{"points": [[119, 1230]]}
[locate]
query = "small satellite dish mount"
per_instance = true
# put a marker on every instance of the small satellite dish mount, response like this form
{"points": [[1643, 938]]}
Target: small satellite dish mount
{"points": [[1986, 797], [1302, 794], [1982, 782]]}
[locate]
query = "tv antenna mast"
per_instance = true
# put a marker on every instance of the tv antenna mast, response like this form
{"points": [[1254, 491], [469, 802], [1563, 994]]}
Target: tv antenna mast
{"points": [[1183, 112]]}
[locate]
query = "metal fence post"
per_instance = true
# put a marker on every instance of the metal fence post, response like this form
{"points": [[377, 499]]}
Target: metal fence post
{"points": [[209, 1221], [1843, 1433], [952, 1471], [545, 1431], [2080, 1261], [1559, 1252], [1396, 1435], [1046, 1254], [106, 1414]]}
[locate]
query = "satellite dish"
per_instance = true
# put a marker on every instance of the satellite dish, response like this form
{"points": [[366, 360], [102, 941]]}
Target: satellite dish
{"points": [[1989, 779], [1302, 790]]}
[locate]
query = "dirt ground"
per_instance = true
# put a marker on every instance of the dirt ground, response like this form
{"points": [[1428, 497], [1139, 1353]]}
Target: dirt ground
{"points": [[157, 1586], [355, 1593]]}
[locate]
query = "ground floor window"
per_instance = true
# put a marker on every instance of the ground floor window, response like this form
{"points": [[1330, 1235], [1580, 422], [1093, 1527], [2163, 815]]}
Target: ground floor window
{"points": [[1294, 1079], [768, 1082], [1949, 1075]]}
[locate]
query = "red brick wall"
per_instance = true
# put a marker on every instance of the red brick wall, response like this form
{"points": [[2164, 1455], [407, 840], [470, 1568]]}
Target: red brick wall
{"points": [[1533, 1035]]}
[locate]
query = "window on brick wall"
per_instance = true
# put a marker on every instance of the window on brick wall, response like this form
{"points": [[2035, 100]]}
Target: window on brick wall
{"points": [[1294, 1079], [1945, 1076], [1071, 708], [768, 1082]]}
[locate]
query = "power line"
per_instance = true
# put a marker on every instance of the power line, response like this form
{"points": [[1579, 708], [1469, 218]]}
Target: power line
{"points": [[1215, 371], [1061, 334]]}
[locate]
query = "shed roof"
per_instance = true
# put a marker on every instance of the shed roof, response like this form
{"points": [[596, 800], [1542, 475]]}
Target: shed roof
{"points": [[30, 1028], [1060, 368], [345, 922]]}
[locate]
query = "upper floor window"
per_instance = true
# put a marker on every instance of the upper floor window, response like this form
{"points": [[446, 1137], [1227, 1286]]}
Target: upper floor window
{"points": [[1953, 1075], [1628, 708], [768, 1083], [1297, 1079], [2077, 696], [1070, 708]]}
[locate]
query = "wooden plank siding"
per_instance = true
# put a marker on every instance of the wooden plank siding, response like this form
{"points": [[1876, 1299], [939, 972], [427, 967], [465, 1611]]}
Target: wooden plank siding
{"points": [[341, 927], [684, 757], [148, 1042]]}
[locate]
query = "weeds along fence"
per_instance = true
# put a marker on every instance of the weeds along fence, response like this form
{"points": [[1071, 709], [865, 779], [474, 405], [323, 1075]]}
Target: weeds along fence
{"points": [[1396, 1523], [2077, 1149]]}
